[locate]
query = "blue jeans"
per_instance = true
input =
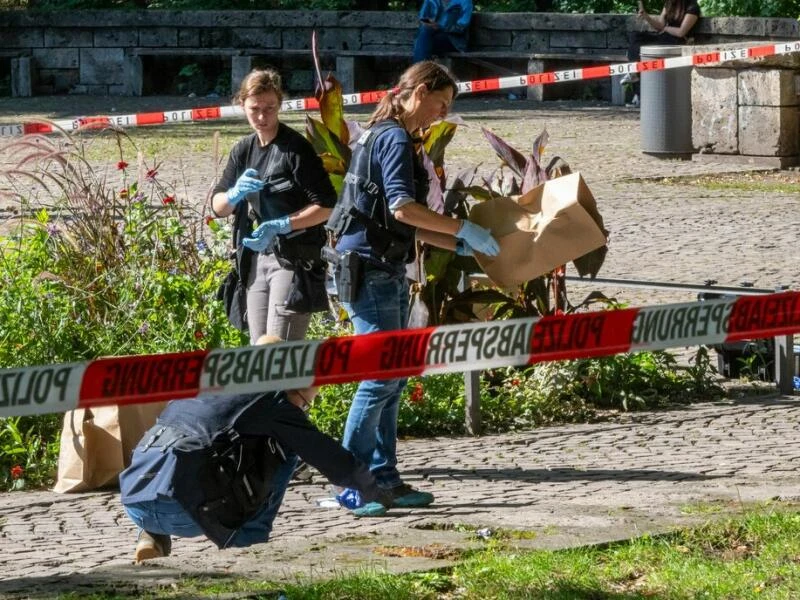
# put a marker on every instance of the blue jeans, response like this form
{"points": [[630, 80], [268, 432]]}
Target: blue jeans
{"points": [[430, 42], [166, 516], [371, 429]]}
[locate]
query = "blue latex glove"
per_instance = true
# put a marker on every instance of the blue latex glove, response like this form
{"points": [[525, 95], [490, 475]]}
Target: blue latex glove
{"points": [[464, 249], [247, 183], [478, 238], [264, 234], [350, 498]]}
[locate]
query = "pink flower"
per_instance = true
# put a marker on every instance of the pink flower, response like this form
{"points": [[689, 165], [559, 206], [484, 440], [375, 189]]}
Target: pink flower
{"points": [[168, 200], [16, 472], [122, 165]]}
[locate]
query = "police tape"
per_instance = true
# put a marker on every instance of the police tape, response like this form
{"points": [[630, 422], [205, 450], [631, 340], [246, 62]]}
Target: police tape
{"points": [[356, 98], [388, 355]]}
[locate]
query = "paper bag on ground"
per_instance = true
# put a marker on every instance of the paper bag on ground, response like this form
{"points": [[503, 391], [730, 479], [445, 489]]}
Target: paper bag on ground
{"points": [[553, 224], [97, 444]]}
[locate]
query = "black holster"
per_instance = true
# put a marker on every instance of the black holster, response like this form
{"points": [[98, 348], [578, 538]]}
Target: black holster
{"points": [[348, 272]]}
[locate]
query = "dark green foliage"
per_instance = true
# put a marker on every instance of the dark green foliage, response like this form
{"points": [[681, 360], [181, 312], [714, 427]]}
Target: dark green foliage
{"points": [[111, 267]]}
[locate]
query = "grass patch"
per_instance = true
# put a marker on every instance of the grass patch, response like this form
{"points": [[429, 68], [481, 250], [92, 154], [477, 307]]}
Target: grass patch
{"points": [[755, 555], [776, 182]]}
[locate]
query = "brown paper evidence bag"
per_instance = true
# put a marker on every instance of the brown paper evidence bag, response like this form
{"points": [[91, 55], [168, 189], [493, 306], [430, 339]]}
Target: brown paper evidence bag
{"points": [[97, 444], [551, 225]]}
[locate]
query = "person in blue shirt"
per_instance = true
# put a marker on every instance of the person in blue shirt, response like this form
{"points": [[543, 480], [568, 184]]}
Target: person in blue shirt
{"points": [[219, 467], [444, 27], [381, 214]]}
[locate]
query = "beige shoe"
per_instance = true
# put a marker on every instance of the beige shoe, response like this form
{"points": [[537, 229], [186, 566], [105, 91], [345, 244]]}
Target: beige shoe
{"points": [[152, 545]]}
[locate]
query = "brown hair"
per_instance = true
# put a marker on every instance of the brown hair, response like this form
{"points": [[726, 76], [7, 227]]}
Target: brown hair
{"points": [[433, 75], [259, 81], [674, 10]]}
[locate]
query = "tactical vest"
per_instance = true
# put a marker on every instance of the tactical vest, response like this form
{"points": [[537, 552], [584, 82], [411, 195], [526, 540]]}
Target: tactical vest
{"points": [[194, 454], [224, 484], [389, 238]]}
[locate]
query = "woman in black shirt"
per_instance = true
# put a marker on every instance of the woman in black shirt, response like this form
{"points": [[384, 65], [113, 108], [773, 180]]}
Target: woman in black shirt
{"points": [[275, 176], [676, 20]]}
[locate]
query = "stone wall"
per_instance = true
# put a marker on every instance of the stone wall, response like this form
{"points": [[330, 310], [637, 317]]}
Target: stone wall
{"points": [[748, 111], [92, 52]]}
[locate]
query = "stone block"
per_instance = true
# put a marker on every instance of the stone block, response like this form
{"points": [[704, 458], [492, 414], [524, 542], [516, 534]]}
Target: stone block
{"points": [[118, 90], [300, 80], [216, 38], [54, 58], [491, 38], [61, 80], [577, 39], [102, 66], [68, 38], [188, 37], [134, 75], [783, 28], [769, 87], [530, 41], [715, 125], [240, 67], [115, 37], [733, 26], [250, 37], [378, 20], [388, 37], [330, 39], [158, 37], [22, 38], [346, 72], [21, 77], [769, 130]]}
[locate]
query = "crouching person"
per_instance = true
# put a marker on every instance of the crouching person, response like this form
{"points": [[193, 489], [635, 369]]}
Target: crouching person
{"points": [[219, 467]]}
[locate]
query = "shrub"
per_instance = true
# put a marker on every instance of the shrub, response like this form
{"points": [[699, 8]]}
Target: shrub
{"points": [[101, 265]]}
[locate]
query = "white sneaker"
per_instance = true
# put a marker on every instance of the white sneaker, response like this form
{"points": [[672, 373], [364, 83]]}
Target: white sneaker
{"points": [[629, 78], [634, 103]]}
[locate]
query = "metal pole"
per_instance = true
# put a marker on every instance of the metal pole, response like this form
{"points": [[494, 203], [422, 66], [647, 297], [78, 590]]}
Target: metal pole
{"points": [[784, 363], [472, 403]]}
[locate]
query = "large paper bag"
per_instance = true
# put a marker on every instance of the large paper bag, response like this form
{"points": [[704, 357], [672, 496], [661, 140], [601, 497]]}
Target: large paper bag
{"points": [[97, 444], [553, 224]]}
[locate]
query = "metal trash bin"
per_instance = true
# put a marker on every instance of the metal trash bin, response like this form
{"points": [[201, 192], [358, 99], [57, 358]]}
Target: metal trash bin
{"points": [[665, 116]]}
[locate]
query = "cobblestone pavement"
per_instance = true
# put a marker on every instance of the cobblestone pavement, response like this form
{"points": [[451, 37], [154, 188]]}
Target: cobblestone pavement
{"points": [[572, 485]]}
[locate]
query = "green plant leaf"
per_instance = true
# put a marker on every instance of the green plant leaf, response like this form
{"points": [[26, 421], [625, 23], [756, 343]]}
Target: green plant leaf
{"points": [[515, 160], [325, 143], [436, 138]]}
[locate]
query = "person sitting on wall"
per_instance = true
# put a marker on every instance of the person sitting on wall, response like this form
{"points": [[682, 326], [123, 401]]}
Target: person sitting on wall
{"points": [[676, 20], [219, 467], [444, 27]]}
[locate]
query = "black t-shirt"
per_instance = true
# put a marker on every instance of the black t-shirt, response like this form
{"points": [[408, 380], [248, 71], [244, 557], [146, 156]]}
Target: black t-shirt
{"points": [[692, 8], [294, 173]]}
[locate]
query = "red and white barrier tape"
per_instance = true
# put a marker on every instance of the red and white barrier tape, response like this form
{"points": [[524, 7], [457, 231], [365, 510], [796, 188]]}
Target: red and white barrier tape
{"points": [[402, 353], [356, 98]]}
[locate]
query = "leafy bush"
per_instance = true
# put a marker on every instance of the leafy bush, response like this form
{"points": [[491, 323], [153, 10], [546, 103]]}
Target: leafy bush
{"points": [[103, 265], [751, 8]]}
